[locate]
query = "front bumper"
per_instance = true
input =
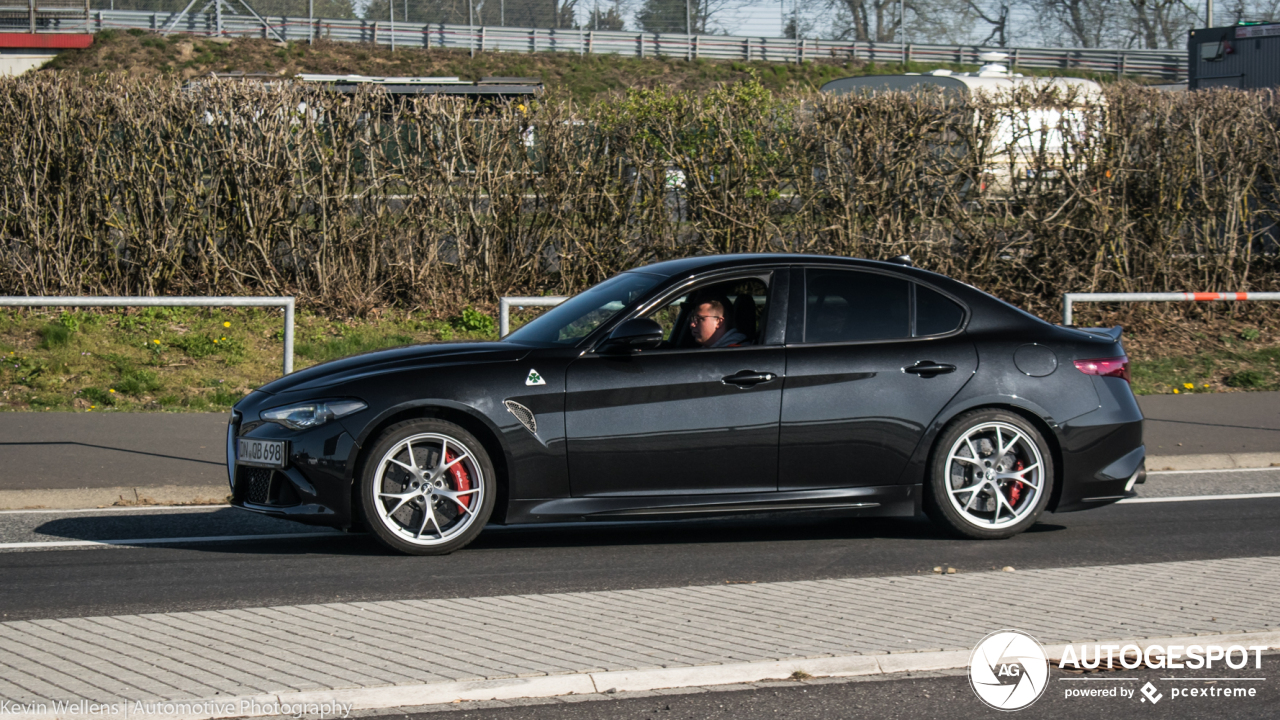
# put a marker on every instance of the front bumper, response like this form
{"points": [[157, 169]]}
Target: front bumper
{"points": [[313, 487]]}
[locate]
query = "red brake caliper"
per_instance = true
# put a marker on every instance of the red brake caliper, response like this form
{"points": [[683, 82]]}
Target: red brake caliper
{"points": [[461, 480], [1015, 490]]}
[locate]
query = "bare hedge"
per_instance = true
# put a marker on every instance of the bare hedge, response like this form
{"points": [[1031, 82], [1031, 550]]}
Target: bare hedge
{"points": [[123, 186]]}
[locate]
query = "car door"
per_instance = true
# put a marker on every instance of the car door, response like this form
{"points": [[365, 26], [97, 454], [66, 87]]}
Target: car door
{"points": [[679, 420], [872, 358]]}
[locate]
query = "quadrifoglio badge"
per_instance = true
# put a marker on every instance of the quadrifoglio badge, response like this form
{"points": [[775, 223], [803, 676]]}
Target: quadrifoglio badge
{"points": [[1009, 670]]}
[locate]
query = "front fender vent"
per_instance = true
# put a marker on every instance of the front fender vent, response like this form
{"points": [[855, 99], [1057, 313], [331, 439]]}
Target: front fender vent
{"points": [[523, 414]]}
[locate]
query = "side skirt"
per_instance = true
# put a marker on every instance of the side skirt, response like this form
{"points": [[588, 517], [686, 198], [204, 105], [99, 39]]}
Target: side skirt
{"points": [[877, 501]]}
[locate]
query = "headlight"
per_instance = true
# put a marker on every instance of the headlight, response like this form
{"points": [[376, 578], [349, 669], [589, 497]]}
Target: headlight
{"points": [[308, 415]]}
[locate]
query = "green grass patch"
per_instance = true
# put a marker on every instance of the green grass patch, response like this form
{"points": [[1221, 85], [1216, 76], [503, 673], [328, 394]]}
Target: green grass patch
{"points": [[54, 335], [1211, 370], [185, 359], [186, 371], [352, 343]]}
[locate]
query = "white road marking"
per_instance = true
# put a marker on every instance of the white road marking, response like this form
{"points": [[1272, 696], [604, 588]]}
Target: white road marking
{"points": [[162, 541], [121, 508], [1198, 498], [1202, 472]]}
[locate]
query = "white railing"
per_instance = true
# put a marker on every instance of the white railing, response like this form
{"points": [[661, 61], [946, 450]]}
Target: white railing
{"points": [[1070, 299], [52, 301], [1162, 64], [504, 308]]}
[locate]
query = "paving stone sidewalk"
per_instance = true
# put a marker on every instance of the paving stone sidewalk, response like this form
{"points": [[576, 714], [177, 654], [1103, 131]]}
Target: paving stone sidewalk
{"points": [[194, 655]]}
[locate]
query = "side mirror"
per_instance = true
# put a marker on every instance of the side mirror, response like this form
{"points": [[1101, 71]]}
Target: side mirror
{"points": [[632, 335]]}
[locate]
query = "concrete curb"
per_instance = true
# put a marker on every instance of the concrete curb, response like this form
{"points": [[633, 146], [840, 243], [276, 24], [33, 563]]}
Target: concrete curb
{"points": [[586, 683], [80, 498], [1214, 461]]}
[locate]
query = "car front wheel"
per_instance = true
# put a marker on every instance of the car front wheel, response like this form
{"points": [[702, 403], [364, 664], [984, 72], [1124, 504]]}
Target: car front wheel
{"points": [[427, 487], [991, 475]]}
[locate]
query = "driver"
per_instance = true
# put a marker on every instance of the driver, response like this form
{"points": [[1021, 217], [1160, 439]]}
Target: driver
{"points": [[711, 327]]}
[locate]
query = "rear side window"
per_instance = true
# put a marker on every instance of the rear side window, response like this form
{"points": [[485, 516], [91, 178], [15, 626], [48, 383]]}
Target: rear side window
{"points": [[936, 313], [853, 306]]}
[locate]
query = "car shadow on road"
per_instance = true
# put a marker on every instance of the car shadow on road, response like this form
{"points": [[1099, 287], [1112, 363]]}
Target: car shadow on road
{"points": [[270, 535]]}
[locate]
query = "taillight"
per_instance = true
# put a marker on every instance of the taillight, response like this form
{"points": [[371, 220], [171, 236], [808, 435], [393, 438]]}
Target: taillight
{"points": [[1106, 367]]}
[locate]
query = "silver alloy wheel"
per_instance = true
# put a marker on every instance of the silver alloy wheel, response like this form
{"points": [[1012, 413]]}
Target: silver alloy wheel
{"points": [[419, 497], [995, 475]]}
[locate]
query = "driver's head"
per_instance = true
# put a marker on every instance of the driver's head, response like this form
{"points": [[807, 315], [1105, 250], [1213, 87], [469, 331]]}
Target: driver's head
{"points": [[709, 321]]}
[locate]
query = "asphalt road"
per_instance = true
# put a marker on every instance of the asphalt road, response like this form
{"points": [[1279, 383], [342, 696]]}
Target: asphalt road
{"points": [[44, 582], [61, 450], [106, 450], [927, 696], [1211, 423]]}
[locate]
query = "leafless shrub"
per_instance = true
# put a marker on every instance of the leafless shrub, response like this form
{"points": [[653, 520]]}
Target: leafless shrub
{"points": [[122, 186]]}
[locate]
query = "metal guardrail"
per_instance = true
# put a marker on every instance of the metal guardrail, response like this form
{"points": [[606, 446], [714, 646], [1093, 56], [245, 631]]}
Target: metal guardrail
{"points": [[504, 308], [1070, 299], [36, 16], [55, 301], [1158, 64]]}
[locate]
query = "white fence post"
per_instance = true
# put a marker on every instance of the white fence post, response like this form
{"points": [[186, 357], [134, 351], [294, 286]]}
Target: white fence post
{"points": [[70, 301], [505, 303], [1069, 299]]}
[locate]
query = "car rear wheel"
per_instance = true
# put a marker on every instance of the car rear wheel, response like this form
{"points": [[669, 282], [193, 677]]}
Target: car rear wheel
{"points": [[427, 487], [991, 475]]}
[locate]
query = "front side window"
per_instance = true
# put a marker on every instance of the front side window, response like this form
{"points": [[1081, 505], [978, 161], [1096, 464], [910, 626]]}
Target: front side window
{"points": [[569, 322], [726, 313]]}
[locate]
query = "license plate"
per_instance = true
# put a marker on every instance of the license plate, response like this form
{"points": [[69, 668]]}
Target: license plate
{"points": [[266, 453]]}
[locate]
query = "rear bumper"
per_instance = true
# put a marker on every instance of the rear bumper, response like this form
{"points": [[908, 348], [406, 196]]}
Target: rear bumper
{"points": [[1102, 454]]}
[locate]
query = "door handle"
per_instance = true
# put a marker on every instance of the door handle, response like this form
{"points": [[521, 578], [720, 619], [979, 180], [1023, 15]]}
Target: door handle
{"points": [[929, 368], [748, 378]]}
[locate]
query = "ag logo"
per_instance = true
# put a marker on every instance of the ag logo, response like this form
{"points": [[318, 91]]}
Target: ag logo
{"points": [[534, 379], [1008, 670]]}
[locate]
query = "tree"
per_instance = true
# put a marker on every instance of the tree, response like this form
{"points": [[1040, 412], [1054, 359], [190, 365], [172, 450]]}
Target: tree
{"points": [[513, 13], [1161, 23], [997, 18], [867, 20], [671, 16], [607, 19], [704, 16]]}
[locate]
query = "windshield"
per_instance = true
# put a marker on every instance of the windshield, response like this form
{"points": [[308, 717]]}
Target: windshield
{"points": [[577, 317]]}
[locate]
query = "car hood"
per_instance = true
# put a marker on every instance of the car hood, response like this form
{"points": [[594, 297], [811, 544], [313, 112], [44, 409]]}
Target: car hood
{"points": [[380, 362]]}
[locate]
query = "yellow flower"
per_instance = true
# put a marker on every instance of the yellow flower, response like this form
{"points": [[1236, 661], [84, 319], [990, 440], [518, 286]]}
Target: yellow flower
{"points": [[112, 390], [215, 341], [92, 407], [1175, 391], [1206, 384], [1188, 386], [156, 342], [226, 324]]}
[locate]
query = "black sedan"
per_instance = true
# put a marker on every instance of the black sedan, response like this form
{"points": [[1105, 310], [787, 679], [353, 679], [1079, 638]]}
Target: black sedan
{"points": [[707, 386]]}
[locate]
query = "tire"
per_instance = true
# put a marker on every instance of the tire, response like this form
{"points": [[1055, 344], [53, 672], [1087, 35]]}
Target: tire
{"points": [[978, 490], [454, 478]]}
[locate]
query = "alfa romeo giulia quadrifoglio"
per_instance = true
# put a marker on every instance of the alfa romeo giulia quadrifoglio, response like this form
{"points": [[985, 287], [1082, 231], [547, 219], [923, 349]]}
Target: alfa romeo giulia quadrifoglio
{"points": [[707, 386]]}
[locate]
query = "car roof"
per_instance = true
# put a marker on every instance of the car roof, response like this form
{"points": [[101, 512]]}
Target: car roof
{"points": [[694, 265], [987, 311]]}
